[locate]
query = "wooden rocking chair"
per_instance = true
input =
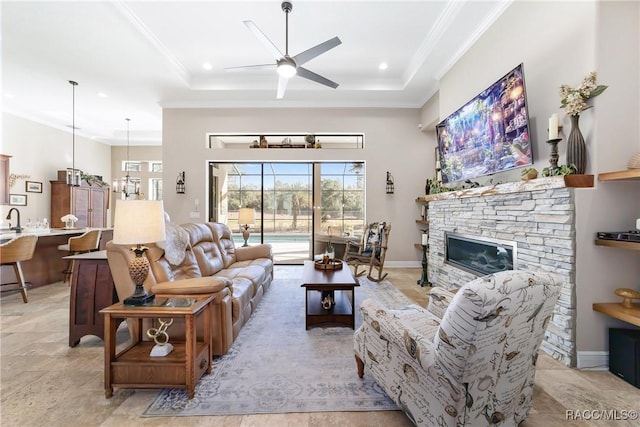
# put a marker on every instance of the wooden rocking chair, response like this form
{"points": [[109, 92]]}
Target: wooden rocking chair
{"points": [[371, 250]]}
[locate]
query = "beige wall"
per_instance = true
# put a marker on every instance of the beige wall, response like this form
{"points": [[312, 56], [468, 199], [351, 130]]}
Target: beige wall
{"points": [[393, 142], [561, 48], [40, 151]]}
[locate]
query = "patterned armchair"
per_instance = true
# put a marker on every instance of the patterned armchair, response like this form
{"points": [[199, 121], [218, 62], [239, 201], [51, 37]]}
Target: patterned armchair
{"points": [[371, 251], [469, 358]]}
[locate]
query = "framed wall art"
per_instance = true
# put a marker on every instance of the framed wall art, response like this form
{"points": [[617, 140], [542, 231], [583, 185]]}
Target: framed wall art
{"points": [[18, 199], [33, 187]]}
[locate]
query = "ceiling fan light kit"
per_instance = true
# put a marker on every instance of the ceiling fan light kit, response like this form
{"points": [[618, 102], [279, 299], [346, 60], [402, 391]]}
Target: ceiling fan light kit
{"points": [[289, 66]]}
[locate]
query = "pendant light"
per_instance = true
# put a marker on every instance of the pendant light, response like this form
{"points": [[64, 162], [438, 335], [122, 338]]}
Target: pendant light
{"points": [[125, 183], [73, 175]]}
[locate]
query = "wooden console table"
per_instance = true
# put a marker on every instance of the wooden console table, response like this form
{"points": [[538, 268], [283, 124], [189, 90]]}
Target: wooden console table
{"points": [[92, 289], [616, 310]]}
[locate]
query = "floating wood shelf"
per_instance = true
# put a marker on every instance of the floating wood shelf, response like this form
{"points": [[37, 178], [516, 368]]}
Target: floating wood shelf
{"points": [[632, 246], [422, 221], [617, 311], [629, 174]]}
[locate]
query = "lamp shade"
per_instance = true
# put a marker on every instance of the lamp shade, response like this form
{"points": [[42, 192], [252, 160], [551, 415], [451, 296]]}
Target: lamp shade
{"points": [[246, 216], [138, 221]]}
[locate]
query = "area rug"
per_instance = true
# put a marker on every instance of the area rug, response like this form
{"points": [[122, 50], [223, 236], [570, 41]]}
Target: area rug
{"points": [[276, 366]]}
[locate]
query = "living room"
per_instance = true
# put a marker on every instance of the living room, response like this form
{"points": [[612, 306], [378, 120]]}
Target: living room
{"points": [[558, 43]]}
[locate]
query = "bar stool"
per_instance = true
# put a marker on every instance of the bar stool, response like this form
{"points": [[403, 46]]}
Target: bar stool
{"points": [[12, 253], [87, 242]]}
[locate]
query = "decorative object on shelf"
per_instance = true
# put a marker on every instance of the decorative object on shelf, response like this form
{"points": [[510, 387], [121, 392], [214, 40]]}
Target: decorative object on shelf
{"points": [[553, 160], [69, 221], [576, 147], [126, 182], [73, 174], [560, 170], [390, 187], [427, 186], [628, 295], [246, 217], [161, 338], [138, 222], [263, 142], [529, 173], [310, 139], [553, 126], [180, 185], [424, 279], [634, 162], [93, 179], [327, 299], [574, 101]]}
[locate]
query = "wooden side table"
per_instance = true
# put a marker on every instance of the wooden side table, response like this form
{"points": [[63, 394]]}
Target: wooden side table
{"points": [[92, 289], [133, 367]]}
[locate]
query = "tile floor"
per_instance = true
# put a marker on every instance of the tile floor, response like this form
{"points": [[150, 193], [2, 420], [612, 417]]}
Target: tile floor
{"points": [[44, 382]]}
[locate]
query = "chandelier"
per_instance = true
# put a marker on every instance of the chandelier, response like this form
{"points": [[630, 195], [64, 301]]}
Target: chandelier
{"points": [[125, 185]]}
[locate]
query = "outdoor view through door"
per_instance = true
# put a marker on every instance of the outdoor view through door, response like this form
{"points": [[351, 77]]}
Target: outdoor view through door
{"points": [[299, 207]]}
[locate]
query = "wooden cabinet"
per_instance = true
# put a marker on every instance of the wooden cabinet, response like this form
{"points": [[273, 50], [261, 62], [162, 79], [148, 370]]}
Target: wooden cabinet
{"points": [[90, 203]]}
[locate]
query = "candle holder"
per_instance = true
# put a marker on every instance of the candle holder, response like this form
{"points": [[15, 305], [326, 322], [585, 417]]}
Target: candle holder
{"points": [[553, 160], [424, 280]]}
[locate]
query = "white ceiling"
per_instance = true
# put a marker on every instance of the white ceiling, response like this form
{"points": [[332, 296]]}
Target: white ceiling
{"points": [[146, 55]]}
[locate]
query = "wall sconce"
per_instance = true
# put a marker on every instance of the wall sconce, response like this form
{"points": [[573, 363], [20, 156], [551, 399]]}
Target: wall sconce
{"points": [[180, 183], [389, 183]]}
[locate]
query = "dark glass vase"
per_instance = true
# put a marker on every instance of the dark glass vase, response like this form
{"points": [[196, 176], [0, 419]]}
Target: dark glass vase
{"points": [[576, 148]]}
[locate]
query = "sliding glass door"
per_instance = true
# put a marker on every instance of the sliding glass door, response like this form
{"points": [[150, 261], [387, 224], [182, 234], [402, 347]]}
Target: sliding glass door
{"points": [[297, 207]]}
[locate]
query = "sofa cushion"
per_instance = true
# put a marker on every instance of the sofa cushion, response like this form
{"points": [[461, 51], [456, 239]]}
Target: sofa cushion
{"points": [[205, 248], [197, 285], [222, 235], [164, 271], [254, 274]]}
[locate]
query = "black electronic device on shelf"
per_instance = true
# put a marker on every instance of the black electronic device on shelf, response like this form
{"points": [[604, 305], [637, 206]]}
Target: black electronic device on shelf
{"points": [[621, 236]]}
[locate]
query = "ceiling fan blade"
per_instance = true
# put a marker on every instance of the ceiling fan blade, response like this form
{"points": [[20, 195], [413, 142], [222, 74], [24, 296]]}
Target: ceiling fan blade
{"points": [[282, 86], [264, 39], [269, 67], [309, 54], [303, 72]]}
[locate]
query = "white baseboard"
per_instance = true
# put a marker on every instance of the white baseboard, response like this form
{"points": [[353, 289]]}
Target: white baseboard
{"points": [[593, 360]]}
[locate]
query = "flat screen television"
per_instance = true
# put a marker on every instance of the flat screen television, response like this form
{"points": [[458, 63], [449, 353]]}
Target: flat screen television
{"points": [[488, 134]]}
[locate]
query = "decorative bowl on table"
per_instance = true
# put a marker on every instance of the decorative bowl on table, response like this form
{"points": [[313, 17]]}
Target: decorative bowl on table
{"points": [[330, 264]]}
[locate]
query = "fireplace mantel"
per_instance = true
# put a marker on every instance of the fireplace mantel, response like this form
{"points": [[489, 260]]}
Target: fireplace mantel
{"points": [[567, 181]]}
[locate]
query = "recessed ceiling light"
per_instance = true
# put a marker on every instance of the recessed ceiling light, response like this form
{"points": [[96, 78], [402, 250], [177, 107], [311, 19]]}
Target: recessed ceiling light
{"points": [[207, 66], [102, 95], [383, 66]]}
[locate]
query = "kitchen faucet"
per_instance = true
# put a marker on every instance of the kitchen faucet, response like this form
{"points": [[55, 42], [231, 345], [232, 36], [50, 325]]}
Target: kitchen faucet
{"points": [[17, 228]]}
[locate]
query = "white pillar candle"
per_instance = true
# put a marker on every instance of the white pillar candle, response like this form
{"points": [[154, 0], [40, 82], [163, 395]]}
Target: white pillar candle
{"points": [[425, 239], [553, 126]]}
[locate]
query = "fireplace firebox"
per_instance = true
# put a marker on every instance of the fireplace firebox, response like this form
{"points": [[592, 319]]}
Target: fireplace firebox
{"points": [[479, 255]]}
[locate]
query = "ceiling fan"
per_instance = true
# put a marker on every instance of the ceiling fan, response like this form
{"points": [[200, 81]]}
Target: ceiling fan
{"points": [[288, 66]]}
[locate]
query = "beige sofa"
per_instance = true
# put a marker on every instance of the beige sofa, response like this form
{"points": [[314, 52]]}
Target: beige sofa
{"points": [[202, 259]]}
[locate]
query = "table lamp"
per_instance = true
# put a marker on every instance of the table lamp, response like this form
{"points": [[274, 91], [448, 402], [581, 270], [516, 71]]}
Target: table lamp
{"points": [[137, 222], [246, 216]]}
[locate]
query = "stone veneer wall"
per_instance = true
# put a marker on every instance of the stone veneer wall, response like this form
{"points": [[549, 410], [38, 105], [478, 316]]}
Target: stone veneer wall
{"points": [[540, 221]]}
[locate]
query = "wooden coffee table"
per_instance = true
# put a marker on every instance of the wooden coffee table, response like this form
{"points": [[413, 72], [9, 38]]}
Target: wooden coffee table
{"points": [[133, 367], [341, 283]]}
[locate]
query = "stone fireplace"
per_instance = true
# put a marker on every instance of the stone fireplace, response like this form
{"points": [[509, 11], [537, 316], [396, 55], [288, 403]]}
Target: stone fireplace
{"points": [[538, 216]]}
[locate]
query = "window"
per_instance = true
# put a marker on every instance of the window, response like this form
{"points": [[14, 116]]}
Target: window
{"points": [[155, 189], [129, 166], [155, 166]]}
